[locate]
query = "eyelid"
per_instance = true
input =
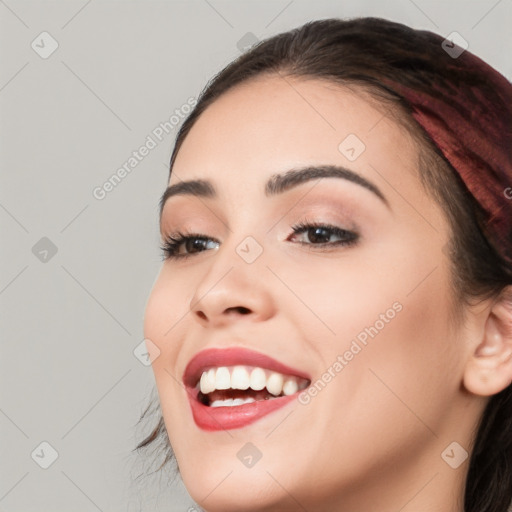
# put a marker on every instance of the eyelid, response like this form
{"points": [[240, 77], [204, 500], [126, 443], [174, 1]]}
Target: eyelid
{"points": [[323, 218]]}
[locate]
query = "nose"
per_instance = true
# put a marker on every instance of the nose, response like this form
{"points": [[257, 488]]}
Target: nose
{"points": [[232, 291]]}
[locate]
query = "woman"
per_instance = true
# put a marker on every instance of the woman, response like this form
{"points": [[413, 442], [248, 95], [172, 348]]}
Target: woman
{"points": [[333, 318]]}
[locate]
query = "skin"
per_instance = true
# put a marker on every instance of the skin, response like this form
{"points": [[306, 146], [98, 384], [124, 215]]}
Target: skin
{"points": [[371, 440]]}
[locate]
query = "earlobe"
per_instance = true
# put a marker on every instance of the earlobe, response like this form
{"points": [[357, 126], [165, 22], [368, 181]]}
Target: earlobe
{"points": [[489, 368]]}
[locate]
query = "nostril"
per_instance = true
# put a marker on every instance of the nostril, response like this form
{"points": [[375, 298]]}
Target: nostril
{"points": [[240, 309]]}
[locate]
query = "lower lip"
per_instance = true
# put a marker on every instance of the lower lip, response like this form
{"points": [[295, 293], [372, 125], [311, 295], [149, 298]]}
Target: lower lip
{"points": [[238, 416]]}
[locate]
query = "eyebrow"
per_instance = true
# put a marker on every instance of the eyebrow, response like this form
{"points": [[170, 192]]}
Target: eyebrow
{"points": [[277, 184]]}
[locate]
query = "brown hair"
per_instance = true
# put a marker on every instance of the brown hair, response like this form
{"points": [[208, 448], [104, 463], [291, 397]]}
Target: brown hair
{"points": [[364, 54]]}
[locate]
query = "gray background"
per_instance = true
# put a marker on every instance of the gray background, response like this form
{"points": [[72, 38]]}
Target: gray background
{"points": [[71, 321]]}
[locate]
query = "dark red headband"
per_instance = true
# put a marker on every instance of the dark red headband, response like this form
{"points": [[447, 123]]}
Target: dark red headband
{"points": [[472, 126]]}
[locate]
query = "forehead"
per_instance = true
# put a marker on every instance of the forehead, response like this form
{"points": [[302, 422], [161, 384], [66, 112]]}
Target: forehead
{"points": [[273, 123]]}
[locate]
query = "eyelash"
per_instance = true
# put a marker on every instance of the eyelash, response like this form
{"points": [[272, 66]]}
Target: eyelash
{"points": [[173, 242]]}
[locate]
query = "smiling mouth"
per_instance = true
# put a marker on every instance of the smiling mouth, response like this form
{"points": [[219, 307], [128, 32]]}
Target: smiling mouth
{"points": [[234, 387], [231, 386]]}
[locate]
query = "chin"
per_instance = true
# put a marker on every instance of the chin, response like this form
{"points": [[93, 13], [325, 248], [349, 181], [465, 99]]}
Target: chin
{"points": [[227, 486]]}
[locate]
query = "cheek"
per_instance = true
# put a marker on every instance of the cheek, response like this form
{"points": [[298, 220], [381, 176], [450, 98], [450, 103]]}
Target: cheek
{"points": [[166, 310], [340, 297], [408, 369], [155, 320], [335, 300], [393, 327], [164, 325], [396, 386], [165, 322]]}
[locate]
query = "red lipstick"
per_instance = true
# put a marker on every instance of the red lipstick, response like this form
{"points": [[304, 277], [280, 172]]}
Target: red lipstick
{"points": [[237, 416]]}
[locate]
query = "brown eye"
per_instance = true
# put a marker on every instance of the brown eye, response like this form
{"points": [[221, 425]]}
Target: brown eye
{"points": [[181, 245], [320, 234]]}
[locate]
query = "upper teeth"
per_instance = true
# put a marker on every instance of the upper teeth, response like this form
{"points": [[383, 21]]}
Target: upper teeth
{"points": [[241, 377]]}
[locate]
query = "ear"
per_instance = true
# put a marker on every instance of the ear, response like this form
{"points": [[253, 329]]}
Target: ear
{"points": [[489, 368]]}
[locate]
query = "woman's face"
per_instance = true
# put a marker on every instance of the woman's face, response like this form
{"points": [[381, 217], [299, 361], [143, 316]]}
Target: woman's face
{"points": [[357, 308]]}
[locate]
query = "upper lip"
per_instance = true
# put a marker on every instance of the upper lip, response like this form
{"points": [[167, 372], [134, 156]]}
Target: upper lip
{"points": [[233, 356]]}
